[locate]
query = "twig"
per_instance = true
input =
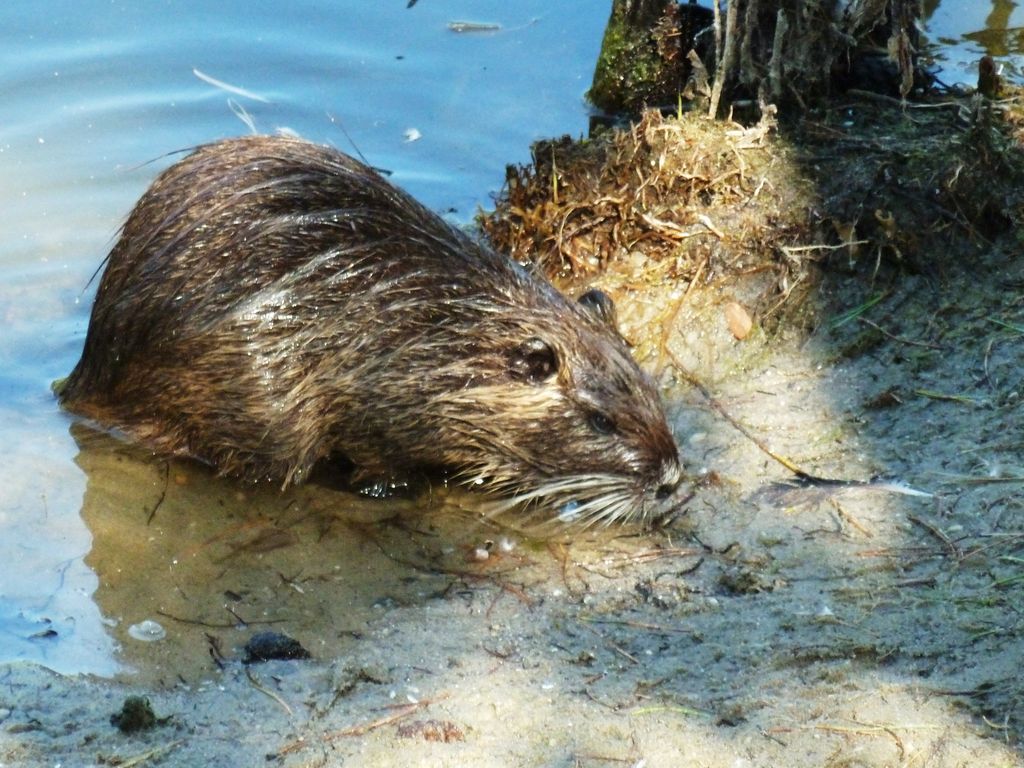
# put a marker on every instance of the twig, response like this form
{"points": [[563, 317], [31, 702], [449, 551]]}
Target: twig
{"points": [[803, 479], [775, 72], [402, 711], [1009, 326], [723, 62], [163, 493], [844, 515], [672, 230], [988, 356], [954, 550], [791, 249], [219, 625], [266, 691], [671, 321], [623, 653], [358, 730], [236, 90], [862, 729], [561, 555], [639, 625], [716, 86], [703, 219], [655, 554], [973, 480], [674, 708], [900, 339], [941, 396], [149, 754], [713, 402], [901, 103]]}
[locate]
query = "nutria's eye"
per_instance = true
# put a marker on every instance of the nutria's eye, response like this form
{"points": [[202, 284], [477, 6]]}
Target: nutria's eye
{"points": [[601, 423], [601, 305], [533, 361]]}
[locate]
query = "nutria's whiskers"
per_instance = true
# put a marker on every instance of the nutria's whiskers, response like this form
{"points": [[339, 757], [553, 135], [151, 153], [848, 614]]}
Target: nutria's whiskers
{"points": [[586, 500]]}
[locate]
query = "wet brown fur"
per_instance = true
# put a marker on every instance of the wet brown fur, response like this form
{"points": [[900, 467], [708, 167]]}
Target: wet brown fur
{"points": [[272, 302]]}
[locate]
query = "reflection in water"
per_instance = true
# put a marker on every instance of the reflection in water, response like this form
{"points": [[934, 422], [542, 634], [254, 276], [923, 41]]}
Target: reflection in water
{"points": [[213, 561], [964, 30], [999, 38]]}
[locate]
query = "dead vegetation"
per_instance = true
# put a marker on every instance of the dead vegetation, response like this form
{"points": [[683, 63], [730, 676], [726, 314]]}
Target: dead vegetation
{"points": [[864, 185], [669, 189]]}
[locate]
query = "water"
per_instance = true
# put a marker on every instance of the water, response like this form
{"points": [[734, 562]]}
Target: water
{"points": [[965, 30], [95, 94], [94, 91]]}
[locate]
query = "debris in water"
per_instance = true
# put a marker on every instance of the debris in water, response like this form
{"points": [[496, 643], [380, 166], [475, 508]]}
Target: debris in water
{"points": [[473, 26], [147, 631], [266, 646], [228, 87]]}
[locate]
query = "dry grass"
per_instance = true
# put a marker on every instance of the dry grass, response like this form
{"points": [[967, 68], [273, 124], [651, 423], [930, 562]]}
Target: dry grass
{"points": [[863, 186]]}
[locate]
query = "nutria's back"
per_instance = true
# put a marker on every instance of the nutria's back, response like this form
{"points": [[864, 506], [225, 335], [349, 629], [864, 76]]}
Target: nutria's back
{"points": [[272, 302]]}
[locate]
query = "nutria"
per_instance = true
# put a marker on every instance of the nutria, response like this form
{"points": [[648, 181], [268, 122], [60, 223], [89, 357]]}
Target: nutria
{"points": [[271, 303]]}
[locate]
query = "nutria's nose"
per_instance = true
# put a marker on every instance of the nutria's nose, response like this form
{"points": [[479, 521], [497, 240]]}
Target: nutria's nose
{"points": [[665, 490]]}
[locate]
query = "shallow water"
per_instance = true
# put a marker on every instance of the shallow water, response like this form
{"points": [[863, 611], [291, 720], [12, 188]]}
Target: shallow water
{"points": [[95, 94]]}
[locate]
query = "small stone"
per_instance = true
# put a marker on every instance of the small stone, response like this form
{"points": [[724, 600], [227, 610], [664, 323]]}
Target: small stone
{"points": [[136, 715], [266, 646], [738, 320]]}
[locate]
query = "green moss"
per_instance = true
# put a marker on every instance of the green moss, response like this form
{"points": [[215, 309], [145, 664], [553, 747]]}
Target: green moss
{"points": [[629, 72]]}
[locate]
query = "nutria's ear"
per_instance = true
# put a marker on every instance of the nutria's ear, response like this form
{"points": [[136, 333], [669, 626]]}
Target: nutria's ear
{"points": [[534, 361], [600, 304]]}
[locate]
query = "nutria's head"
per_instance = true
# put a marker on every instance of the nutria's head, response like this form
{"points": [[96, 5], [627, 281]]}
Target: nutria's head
{"points": [[572, 425]]}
